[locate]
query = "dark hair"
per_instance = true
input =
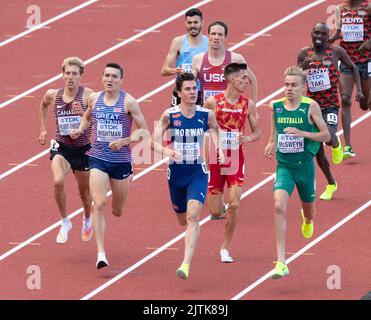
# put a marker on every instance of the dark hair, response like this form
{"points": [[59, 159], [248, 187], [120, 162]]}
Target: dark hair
{"points": [[219, 23], [321, 23], [193, 12], [233, 68], [115, 66], [187, 76]]}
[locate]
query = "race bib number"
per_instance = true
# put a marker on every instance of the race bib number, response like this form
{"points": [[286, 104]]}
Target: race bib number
{"points": [[187, 67], [290, 144], [54, 145], [332, 118], [229, 140], [108, 132], [209, 93], [188, 151], [352, 32], [67, 123], [319, 81]]}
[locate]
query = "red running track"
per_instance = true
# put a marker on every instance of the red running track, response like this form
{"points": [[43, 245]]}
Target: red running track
{"points": [[68, 272]]}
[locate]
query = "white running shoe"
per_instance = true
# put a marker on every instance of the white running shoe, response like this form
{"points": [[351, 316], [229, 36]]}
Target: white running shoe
{"points": [[87, 229], [225, 257], [102, 260], [62, 236]]}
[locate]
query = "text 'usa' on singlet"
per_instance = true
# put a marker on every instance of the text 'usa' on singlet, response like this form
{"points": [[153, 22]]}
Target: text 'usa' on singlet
{"points": [[212, 77]]}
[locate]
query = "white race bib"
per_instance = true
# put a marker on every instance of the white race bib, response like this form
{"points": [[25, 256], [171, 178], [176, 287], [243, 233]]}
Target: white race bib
{"points": [[352, 32], [290, 144], [108, 132], [369, 68], [209, 93], [319, 81], [332, 118], [189, 151], [229, 140], [187, 67], [67, 123]]}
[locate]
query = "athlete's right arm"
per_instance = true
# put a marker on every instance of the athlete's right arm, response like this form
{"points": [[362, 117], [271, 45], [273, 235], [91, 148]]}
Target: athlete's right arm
{"points": [[271, 145], [336, 35], [47, 100], [157, 138], [169, 66], [86, 118], [302, 60]]}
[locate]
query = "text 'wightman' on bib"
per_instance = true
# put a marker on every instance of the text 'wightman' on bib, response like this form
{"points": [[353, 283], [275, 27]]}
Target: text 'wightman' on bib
{"points": [[290, 144], [318, 80], [229, 140], [67, 123], [108, 132], [209, 93], [189, 151], [352, 32]]}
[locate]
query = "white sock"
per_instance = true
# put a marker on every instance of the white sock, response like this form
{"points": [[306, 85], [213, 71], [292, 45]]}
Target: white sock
{"points": [[102, 256], [66, 221], [88, 220]]}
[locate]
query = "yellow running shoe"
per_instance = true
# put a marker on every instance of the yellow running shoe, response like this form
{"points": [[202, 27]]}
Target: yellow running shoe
{"points": [[337, 153], [280, 270], [306, 229], [348, 153], [330, 189], [183, 271]]}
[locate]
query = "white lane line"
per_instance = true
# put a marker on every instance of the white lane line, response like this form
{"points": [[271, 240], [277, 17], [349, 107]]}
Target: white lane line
{"points": [[72, 215], [136, 177], [171, 82], [45, 23], [179, 237], [161, 249], [105, 52], [304, 249]]}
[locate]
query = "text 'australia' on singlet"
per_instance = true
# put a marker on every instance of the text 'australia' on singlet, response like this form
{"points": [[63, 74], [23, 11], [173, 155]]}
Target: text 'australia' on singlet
{"points": [[110, 123], [187, 134], [66, 120], [323, 78], [212, 77], [292, 150], [187, 52], [355, 29], [231, 120]]}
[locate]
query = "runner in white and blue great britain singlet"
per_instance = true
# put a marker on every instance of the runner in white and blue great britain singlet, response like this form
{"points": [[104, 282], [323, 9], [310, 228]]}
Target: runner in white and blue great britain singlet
{"points": [[188, 177], [110, 123]]}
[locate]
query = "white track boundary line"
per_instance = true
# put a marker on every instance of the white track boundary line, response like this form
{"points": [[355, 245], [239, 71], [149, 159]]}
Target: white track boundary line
{"points": [[72, 215], [245, 194], [306, 248], [20, 246], [45, 23], [78, 211], [171, 82], [107, 51]]}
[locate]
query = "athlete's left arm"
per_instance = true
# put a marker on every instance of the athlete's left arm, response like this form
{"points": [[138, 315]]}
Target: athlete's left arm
{"points": [[132, 107], [253, 118], [315, 115], [343, 57], [214, 133]]}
